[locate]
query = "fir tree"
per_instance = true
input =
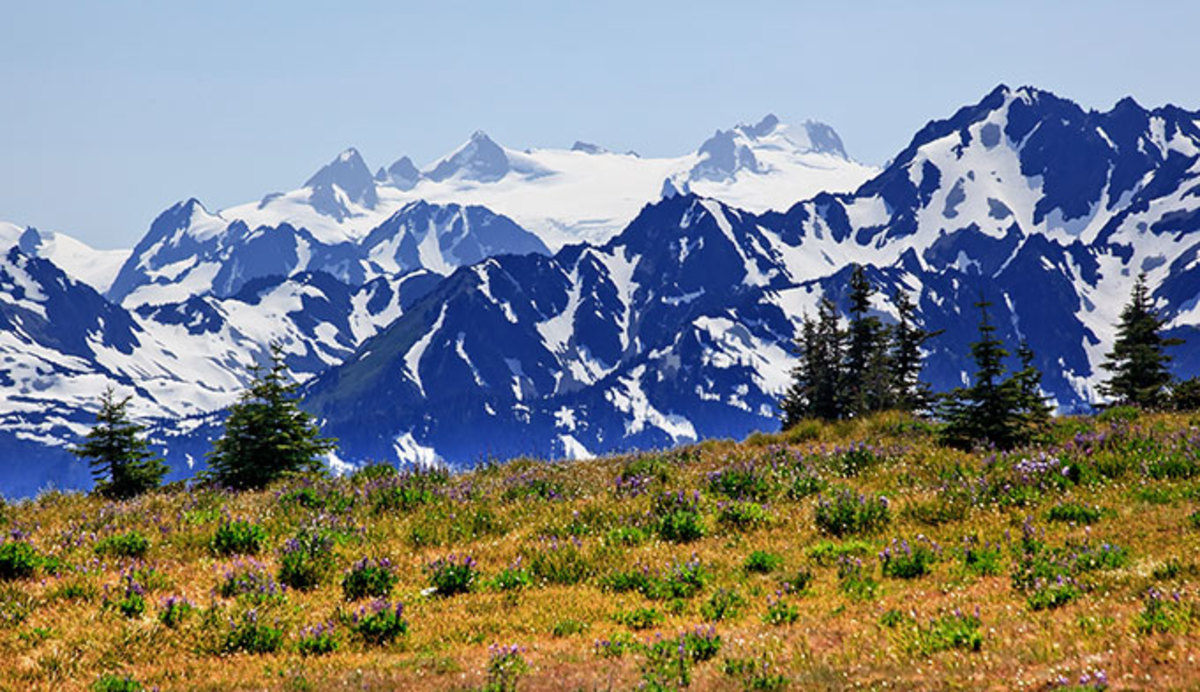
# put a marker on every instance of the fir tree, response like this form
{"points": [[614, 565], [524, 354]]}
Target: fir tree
{"points": [[121, 462], [1033, 405], [266, 433], [816, 390], [867, 378], [991, 409], [1137, 363], [908, 391]]}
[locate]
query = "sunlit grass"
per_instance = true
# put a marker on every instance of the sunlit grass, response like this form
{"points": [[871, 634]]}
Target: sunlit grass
{"points": [[989, 570]]}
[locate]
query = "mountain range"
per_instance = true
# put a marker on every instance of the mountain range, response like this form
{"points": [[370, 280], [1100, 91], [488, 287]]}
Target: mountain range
{"points": [[565, 303]]}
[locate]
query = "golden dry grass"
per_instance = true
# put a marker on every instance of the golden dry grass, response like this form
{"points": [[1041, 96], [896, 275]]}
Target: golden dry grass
{"points": [[67, 634]]}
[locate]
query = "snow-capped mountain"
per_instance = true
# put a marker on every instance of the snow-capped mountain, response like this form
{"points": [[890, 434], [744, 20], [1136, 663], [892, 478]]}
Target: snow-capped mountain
{"points": [[190, 251], [679, 327], [428, 328], [97, 268], [562, 196]]}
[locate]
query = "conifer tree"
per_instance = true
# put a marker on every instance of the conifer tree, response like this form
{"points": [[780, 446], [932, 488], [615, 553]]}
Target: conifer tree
{"points": [[1138, 363], [121, 461], [266, 433], [816, 390], [908, 391], [1033, 405], [867, 378], [990, 410]]}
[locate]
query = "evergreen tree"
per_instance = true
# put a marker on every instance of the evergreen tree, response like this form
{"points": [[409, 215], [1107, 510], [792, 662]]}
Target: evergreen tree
{"points": [[121, 461], [1032, 402], [908, 391], [816, 390], [1137, 363], [990, 410], [266, 433], [867, 377]]}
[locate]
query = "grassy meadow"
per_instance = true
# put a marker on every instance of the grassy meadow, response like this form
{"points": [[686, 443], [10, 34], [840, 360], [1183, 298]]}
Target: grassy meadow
{"points": [[860, 554]]}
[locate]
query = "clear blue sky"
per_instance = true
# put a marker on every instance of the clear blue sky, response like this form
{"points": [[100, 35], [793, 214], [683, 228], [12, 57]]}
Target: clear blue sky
{"points": [[111, 111]]}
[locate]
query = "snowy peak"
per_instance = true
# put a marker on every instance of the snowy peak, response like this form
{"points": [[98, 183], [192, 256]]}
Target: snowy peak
{"points": [[344, 180], [588, 147], [402, 174], [480, 159], [763, 147]]}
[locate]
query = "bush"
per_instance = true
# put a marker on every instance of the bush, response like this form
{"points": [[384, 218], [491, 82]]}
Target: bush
{"points": [[306, 560], [113, 683], [743, 515], [639, 618], [854, 581], [762, 562], [252, 636], [131, 544], [505, 667], [797, 582], [981, 559], [561, 562], [723, 604], [743, 481], [678, 517], [905, 560], [381, 623], [1048, 595], [850, 513], [568, 627], [780, 612], [406, 491], [318, 640], [512, 578], [18, 560], [757, 674], [238, 538], [174, 611], [1162, 614], [453, 574], [250, 581], [374, 578], [954, 631]]}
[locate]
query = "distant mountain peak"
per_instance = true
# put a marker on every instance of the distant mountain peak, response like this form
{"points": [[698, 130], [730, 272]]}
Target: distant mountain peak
{"points": [[588, 148], [479, 159], [402, 174], [349, 173]]}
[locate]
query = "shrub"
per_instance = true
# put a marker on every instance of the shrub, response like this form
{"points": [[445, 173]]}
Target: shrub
{"points": [[678, 517], [854, 581], [131, 544], [1162, 614], [513, 577], [639, 618], [743, 481], [1048, 595], [981, 559], [850, 513], [616, 647], [374, 578], [568, 627], [453, 574], [856, 458], [406, 491], [306, 559], [318, 640], [681, 580], [249, 580], [954, 631], [238, 537], [779, 611], [626, 535], [18, 560], [905, 560], [723, 604], [827, 553], [702, 643], [505, 668], [757, 674], [114, 683], [561, 562], [252, 636], [762, 562], [743, 515], [797, 582], [174, 611], [380, 623]]}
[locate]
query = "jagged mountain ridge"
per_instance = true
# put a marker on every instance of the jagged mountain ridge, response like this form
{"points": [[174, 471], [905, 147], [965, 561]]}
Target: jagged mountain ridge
{"points": [[679, 327], [581, 357]]}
